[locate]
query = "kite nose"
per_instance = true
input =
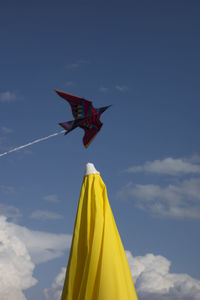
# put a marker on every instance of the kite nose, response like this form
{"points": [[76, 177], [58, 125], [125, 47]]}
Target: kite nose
{"points": [[104, 108]]}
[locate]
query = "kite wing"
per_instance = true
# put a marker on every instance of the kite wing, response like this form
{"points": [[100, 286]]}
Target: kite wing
{"points": [[91, 129], [81, 108], [66, 125]]}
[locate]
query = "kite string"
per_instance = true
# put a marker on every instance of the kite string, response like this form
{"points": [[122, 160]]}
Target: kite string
{"points": [[33, 142]]}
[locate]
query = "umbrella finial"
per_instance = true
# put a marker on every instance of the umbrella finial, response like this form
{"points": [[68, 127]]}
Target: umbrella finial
{"points": [[90, 169]]}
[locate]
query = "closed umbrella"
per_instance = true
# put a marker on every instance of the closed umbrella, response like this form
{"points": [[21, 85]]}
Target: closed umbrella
{"points": [[97, 267]]}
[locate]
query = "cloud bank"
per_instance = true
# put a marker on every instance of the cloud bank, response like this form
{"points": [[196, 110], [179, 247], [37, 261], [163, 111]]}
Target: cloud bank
{"points": [[180, 200], [10, 212], [7, 97], [45, 215], [16, 267], [152, 279], [121, 88], [169, 166], [53, 198], [54, 292], [6, 130], [76, 64], [20, 250]]}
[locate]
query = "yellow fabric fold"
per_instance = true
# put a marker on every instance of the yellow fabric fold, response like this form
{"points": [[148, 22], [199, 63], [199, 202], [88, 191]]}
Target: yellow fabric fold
{"points": [[97, 267]]}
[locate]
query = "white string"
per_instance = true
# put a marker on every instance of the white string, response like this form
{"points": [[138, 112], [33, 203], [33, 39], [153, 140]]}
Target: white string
{"points": [[33, 142]]}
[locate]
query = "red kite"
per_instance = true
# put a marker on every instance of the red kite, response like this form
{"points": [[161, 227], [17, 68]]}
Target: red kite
{"points": [[85, 116]]}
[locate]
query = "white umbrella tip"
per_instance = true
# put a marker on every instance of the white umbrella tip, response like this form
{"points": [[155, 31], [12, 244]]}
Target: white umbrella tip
{"points": [[90, 169]]}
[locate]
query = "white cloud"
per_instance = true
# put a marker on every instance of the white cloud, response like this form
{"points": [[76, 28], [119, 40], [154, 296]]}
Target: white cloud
{"points": [[45, 215], [121, 88], [77, 64], [152, 279], [53, 198], [73, 66], [103, 89], [20, 250], [16, 268], [194, 158], [7, 189], [42, 246], [6, 130], [181, 200], [11, 212], [178, 200], [7, 97], [54, 292], [169, 166]]}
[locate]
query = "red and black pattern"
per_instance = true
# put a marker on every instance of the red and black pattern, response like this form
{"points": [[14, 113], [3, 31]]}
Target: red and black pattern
{"points": [[86, 117], [80, 107], [66, 125], [91, 130]]}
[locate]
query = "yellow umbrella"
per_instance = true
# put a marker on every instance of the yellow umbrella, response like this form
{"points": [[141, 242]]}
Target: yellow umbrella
{"points": [[97, 267]]}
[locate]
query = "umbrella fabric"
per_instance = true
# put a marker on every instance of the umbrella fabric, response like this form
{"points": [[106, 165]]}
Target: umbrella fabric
{"points": [[97, 267]]}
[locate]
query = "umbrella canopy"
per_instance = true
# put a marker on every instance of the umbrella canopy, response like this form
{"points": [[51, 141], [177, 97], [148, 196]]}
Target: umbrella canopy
{"points": [[97, 267]]}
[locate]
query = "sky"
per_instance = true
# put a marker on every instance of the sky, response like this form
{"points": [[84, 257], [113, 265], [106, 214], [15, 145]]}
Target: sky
{"points": [[143, 58]]}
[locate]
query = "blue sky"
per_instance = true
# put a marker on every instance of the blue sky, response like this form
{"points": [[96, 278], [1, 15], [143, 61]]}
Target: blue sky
{"points": [[143, 58]]}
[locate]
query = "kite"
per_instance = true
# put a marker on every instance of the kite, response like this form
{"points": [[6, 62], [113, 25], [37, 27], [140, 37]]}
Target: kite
{"points": [[85, 116]]}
